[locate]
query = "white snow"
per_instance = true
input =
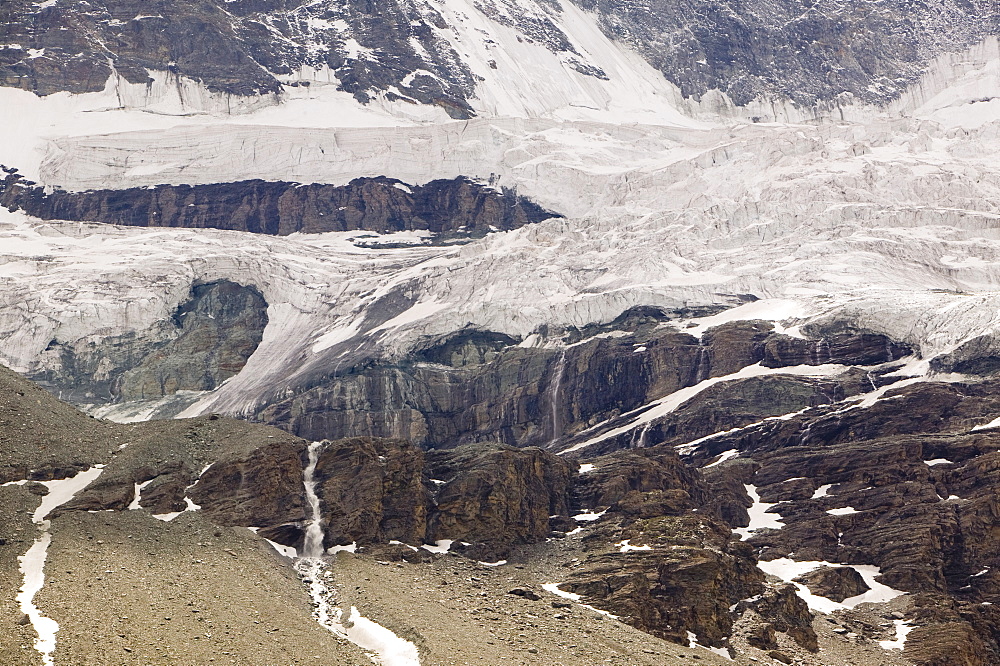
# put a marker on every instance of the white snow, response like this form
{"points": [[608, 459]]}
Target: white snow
{"points": [[902, 630], [760, 519], [498, 563], [843, 511], [667, 404], [287, 551], [63, 490], [589, 516], [626, 547], [441, 546], [723, 457], [349, 548], [586, 468], [390, 648], [995, 423], [787, 569], [773, 310], [554, 589], [938, 461], [822, 491], [134, 505], [32, 563], [31, 566], [886, 219], [693, 643]]}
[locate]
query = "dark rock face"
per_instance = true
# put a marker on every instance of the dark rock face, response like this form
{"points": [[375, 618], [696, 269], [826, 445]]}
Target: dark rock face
{"points": [[263, 489], [929, 527], [785, 612], [849, 349], [208, 340], [476, 386], [382, 205], [220, 327], [241, 47], [836, 583], [978, 356], [373, 490], [496, 495], [642, 484], [687, 581], [792, 49]]}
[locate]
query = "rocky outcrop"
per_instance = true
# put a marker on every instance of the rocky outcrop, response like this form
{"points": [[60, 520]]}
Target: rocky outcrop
{"points": [[844, 348], [381, 205], [259, 490], [686, 581], [641, 484], [978, 356], [219, 328], [208, 340], [373, 490], [783, 611], [905, 484], [496, 495], [836, 583]]}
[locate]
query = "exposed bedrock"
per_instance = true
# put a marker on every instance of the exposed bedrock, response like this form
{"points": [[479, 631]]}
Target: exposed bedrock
{"points": [[686, 580], [381, 205], [906, 484], [480, 386], [208, 340]]}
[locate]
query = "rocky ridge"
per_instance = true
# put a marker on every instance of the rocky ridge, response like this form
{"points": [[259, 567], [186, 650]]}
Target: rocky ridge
{"points": [[412, 51], [456, 207]]}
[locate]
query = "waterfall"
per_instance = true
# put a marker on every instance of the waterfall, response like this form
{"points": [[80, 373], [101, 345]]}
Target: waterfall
{"points": [[313, 546], [554, 398], [384, 647], [819, 351], [702, 368]]}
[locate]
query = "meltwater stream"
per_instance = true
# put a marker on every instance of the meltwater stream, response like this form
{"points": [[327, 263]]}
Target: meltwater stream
{"points": [[391, 650]]}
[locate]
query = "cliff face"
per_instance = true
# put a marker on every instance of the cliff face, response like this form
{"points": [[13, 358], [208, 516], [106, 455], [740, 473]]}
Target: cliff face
{"points": [[208, 340], [480, 386], [380, 205]]}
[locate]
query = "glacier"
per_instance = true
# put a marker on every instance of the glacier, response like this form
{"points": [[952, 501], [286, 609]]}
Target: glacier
{"points": [[882, 217]]}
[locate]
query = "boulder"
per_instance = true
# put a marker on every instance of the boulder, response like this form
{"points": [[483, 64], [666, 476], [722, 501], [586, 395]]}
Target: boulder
{"points": [[835, 583]]}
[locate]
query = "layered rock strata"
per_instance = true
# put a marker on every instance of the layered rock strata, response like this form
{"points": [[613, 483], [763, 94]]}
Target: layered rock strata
{"points": [[382, 205]]}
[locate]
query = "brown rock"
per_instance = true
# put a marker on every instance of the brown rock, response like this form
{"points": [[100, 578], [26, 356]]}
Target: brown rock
{"points": [[836, 583], [262, 489], [372, 490], [787, 613], [497, 495], [688, 580]]}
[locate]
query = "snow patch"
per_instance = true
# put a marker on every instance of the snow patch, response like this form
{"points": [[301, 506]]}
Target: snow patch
{"points": [[440, 547], [760, 518], [787, 569], [32, 563], [902, 630], [626, 547], [554, 589]]}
